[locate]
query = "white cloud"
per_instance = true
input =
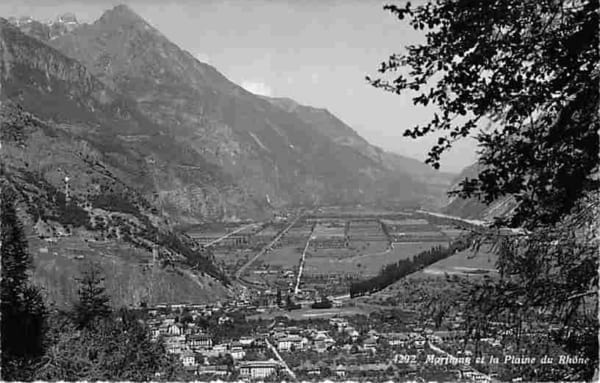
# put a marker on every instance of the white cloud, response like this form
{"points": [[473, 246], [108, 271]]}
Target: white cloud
{"points": [[257, 87]]}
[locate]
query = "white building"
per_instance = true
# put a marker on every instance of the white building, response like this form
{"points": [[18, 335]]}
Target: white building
{"points": [[258, 369], [237, 353], [188, 359]]}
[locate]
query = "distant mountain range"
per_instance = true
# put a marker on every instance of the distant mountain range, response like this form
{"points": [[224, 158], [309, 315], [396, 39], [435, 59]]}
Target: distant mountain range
{"points": [[47, 30], [149, 136]]}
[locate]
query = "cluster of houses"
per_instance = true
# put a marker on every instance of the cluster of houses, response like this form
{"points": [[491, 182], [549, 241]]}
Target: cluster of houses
{"points": [[196, 349], [256, 355], [291, 338]]}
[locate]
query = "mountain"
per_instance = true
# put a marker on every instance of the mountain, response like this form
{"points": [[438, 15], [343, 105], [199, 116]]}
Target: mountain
{"points": [[286, 156], [408, 175], [46, 31], [168, 171], [58, 121], [329, 125], [111, 135], [472, 208]]}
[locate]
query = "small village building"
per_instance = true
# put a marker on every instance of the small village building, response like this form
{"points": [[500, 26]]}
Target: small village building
{"points": [[373, 334], [419, 342], [169, 321], [290, 342], [352, 333], [340, 370], [246, 341], [220, 349], [258, 369], [214, 370], [188, 359], [398, 339], [174, 329], [320, 346], [370, 345], [175, 344], [224, 319], [199, 341], [237, 352], [310, 368]]}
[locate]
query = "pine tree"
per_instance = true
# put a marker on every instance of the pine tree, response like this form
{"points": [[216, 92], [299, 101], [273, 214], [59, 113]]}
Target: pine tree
{"points": [[23, 310], [93, 301]]}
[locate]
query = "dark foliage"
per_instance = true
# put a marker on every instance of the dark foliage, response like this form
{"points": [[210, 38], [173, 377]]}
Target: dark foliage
{"points": [[115, 202], [22, 306], [395, 271], [93, 301], [531, 68], [322, 304], [117, 347], [201, 260], [72, 214]]}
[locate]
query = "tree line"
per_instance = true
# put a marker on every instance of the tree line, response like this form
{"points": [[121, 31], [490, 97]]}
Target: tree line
{"points": [[88, 341], [393, 272]]}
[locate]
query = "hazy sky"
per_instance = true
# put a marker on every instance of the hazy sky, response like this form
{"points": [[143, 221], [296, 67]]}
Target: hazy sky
{"points": [[317, 52]]}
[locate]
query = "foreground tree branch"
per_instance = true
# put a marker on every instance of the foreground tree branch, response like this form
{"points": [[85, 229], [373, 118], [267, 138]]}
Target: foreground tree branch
{"points": [[531, 68]]}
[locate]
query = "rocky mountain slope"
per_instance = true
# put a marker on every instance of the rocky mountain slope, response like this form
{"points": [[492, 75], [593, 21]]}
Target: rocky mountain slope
{"points": [[404, 175], [273, 153], [58, 121], [149, 137], [167, 171]]}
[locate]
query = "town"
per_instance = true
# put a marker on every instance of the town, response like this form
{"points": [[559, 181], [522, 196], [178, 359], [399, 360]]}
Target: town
{"points": [[291, 315]]}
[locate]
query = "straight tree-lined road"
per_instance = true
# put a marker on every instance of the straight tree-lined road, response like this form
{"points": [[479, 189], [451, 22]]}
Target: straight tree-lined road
{"points": [[302, 260], [232, 233], [285, 365]]}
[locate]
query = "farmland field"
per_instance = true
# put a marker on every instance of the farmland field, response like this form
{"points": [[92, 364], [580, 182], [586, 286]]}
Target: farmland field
{"points": [[466, 262], [329, 230], [308, 313], [369, 247], [284, 256], [327, 265], [368, 264], [374, 262], [229, 256]]}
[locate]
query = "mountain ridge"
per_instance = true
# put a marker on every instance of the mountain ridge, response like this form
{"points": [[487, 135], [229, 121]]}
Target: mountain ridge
{"points": [[58, 122], [269, 149], [150, 137]]}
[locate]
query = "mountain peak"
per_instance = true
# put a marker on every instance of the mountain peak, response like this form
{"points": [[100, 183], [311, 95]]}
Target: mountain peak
{"points": [[121, 14]]}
